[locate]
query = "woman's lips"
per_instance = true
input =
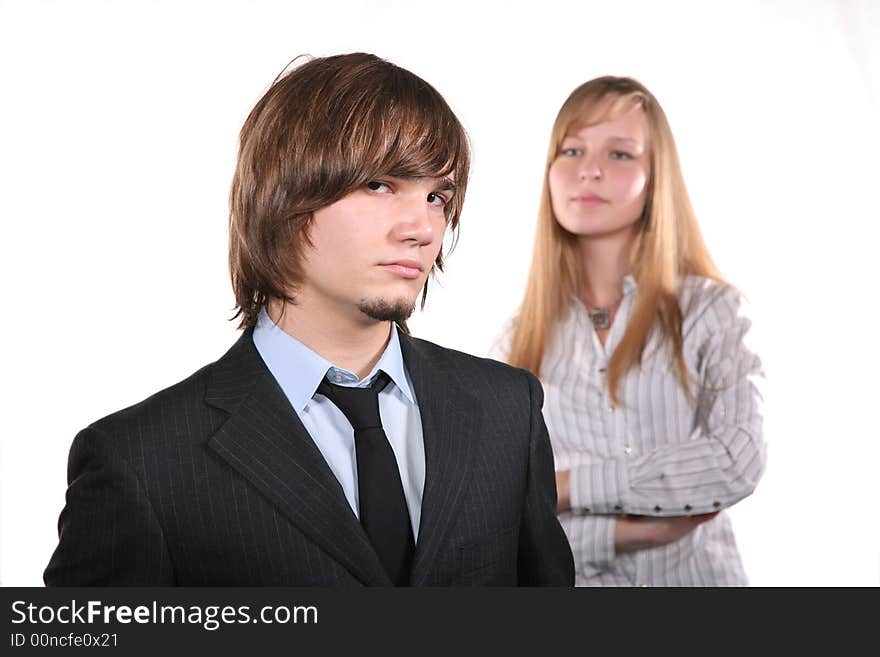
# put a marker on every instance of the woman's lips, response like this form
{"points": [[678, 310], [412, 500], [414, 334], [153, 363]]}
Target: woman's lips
{"points": [[589, 199]]}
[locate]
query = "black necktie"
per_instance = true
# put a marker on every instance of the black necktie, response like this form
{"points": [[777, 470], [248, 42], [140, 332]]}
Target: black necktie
{"points": [[383, 510]]}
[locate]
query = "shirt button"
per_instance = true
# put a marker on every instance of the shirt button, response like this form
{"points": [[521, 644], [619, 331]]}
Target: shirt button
{"points": [[601, 370], [658, 508], [688, 507], [617, 507], [627, 449], [716, 504]]}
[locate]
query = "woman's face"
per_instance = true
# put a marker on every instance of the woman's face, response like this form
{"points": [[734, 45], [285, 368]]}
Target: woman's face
{"points": [[598, 181]]}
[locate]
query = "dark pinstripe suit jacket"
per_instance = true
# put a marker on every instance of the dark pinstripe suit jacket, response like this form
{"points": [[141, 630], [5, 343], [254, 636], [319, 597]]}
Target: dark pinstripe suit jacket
{"points": [[215, 481]]}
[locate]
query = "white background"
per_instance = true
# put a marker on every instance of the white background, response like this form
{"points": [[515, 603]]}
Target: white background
{"points": [[118, 128]]}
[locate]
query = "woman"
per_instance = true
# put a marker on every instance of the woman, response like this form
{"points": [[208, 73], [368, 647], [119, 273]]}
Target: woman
{"points": [[652, 398]]}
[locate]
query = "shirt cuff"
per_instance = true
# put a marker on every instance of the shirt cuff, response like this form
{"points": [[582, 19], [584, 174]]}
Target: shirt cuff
{"points": [[598, 487]]}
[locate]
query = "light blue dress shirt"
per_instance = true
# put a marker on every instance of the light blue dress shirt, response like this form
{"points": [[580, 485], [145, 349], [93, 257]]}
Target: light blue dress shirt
{"points": [[299, 370]]}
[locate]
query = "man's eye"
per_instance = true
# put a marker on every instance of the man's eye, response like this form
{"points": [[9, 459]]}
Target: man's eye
{"points": [[620, 155], [377, 186], [437, 199]]}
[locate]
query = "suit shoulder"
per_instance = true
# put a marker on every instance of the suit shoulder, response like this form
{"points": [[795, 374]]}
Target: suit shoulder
{"points": [[487, 371], [183, 397]]}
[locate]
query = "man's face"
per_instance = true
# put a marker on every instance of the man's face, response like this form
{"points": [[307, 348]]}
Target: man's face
{"points": [[374, 248]]}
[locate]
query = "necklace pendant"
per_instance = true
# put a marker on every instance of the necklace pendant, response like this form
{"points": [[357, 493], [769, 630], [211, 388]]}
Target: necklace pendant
{"points": [[601, 318]]}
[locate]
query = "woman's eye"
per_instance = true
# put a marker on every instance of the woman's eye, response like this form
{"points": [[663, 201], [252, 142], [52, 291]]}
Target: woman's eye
{"points": [[571, 152], [620, 155], [437, 199], [376, 186]]}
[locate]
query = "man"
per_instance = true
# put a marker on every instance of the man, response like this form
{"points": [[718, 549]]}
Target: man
{"points": [[327, 447]]}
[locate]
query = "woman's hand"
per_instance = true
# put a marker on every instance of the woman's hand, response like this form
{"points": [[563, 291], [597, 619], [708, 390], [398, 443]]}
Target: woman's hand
{"points": [[636, 532], [640, 532], [563, 491]]}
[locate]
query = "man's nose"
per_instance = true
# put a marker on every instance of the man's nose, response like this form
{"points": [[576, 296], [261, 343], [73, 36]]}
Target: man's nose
{"points": [[414, 221]]}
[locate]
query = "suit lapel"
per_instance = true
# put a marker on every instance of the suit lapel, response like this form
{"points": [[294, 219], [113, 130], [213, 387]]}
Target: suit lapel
{"points": [[265, 441], [450, 425]]}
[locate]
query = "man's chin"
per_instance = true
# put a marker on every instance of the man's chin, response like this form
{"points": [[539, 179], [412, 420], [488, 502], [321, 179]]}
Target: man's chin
{"points": [[385, 310]]}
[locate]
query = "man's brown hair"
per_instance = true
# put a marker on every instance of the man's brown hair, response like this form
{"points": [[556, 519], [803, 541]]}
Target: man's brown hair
{"points": [[321, 131]]}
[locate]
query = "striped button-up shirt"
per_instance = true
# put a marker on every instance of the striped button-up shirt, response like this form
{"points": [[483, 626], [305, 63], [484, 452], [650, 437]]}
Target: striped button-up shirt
{"points": [[661, 453]]}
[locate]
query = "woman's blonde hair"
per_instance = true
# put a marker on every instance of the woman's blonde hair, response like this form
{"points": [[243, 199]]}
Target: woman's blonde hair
{"points": [[668, 245]]}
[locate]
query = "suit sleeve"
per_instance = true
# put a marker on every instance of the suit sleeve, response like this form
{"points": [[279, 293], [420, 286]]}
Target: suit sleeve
{"points": [[545, 558], [108, 532]]}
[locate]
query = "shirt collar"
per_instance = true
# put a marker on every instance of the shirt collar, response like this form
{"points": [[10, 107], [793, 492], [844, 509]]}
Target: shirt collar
{"points": [[391, 362], [299, 370]]}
